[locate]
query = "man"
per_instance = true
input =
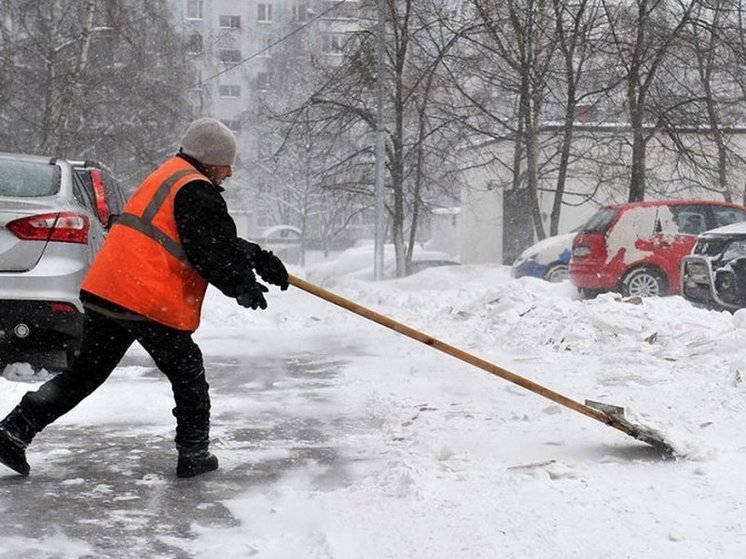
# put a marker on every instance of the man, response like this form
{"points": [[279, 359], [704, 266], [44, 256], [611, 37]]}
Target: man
{"points": [[147, 284]]}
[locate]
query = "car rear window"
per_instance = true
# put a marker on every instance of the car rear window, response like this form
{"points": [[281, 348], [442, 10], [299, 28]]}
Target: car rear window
{"points": [[26, 179], [600, 221], [725, 215]]}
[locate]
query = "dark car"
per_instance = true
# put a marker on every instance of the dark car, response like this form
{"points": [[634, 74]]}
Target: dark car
{"points": [[53, 219], [714, 275]]}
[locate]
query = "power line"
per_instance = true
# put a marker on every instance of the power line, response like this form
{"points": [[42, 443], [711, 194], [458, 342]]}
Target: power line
{"points": [[277, 42]]}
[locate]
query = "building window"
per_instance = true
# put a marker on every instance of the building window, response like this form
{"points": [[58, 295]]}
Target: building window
{"points": [[229, 55], [333, 43], [229, 22], [264, 81], [233, 124], [194, 44], [229, 90], [264, 13], [194, 9], [266, 46], [299, 12]]}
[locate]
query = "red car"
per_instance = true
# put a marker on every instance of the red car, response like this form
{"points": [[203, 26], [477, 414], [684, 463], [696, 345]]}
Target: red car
{"points": [[637, 248]]}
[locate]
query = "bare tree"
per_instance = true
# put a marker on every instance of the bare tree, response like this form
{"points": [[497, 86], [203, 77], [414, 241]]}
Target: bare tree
{"points": [[711, 85], [419, 139], [95, 79], [584, 77], [643, 33], [510, 62]]}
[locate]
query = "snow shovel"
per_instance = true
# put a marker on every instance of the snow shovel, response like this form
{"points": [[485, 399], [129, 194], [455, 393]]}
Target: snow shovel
{"points": [[610, 415]]}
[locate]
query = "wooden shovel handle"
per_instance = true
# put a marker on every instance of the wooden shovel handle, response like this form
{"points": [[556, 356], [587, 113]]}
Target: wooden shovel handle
{"points": [[454, 352]]}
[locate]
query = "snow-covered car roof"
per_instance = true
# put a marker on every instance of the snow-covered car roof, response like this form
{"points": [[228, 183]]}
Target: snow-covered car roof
{"points": [[732, 229], [555, 244]]}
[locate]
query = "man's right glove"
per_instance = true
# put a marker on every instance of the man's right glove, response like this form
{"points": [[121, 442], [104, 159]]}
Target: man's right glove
{"points": [[254, 297], [271, 269]]}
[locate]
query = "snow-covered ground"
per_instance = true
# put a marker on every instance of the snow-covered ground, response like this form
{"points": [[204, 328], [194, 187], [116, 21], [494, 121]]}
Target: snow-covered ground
{"points": [[439, 459]]}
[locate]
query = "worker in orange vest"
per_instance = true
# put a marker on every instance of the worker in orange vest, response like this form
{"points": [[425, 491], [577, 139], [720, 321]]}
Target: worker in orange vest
{"points": [[147, 284]]}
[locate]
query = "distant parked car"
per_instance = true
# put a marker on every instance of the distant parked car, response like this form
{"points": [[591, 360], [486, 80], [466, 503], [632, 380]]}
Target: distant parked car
{"points": [[50, 230], [548, 259], [358, 262], [637, 248], [284, 240], [714, 275]]}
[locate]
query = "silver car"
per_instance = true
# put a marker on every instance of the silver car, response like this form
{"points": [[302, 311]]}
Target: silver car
{"points": [[51, 226]]}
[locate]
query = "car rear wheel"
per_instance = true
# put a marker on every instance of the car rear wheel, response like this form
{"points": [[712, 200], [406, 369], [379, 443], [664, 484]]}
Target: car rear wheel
{"points": [[556, 273], [644, 282]]}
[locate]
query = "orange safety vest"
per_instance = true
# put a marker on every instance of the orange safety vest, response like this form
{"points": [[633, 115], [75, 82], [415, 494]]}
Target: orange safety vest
{"points": [[142, 265]]}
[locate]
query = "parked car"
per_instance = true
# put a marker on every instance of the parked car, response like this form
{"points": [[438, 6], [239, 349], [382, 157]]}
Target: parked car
{"points": [[50, 230], [358, 262], [714, 275], [637, 248], [548, 259]]}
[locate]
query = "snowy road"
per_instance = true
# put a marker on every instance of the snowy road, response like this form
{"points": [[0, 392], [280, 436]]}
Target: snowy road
{"points": [[115, 492]]}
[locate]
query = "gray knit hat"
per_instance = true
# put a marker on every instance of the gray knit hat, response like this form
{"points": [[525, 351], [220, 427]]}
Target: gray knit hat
{"points": [[210, 142]]}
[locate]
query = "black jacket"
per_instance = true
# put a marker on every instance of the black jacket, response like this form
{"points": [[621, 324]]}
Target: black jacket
{"points": [[209, 237]]}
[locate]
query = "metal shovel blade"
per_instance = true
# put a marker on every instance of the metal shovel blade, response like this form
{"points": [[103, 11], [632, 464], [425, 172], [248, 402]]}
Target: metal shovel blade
{"points": [[643, 433]]}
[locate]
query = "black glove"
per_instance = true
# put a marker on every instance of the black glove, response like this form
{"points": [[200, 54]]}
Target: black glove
{"points": [[271, 269], [254, 297]]}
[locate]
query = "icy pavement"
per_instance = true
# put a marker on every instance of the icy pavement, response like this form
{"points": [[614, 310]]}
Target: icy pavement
{"points": [[99, 490]]}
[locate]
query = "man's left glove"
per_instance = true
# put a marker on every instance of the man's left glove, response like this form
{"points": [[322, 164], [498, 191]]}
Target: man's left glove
{"points": [[271, 269], [254, 297]]}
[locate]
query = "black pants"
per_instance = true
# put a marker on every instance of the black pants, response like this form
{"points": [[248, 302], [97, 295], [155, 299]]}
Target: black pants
{"points": [[105, 341]]}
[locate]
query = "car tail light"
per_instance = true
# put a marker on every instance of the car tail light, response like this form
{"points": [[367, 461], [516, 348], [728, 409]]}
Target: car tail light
{"points": [[581, 251], [62, 307], [102, 207], [65, 227]]}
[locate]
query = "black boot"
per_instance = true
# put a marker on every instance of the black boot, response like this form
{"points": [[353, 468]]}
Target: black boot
{"points": [[194, 463], [13, 453]]}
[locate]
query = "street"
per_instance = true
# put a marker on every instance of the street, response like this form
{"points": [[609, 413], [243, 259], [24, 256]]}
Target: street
{"points": [[118, 492]]}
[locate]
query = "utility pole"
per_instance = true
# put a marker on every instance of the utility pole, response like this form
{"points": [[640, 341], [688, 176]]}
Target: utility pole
{"points": [[380, 144]]}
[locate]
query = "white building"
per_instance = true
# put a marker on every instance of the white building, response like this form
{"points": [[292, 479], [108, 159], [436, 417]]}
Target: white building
{"points": [[232, 44]]}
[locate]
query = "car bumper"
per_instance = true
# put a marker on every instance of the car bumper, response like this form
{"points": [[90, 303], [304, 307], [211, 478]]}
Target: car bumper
{"points": [[588, 275], [36, 319], [700, 285], [56, 277], [45, 299], [529, 268]]}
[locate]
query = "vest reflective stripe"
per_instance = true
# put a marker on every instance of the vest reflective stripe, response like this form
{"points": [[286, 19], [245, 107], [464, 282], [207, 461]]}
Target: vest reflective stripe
{"points": [[163, 191], [151, 231], [145, 225]]}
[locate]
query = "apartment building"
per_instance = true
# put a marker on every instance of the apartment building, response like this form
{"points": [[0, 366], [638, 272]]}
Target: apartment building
{"points": [[232, 44]]}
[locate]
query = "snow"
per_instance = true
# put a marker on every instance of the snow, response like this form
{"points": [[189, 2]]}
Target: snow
{"points": [[432, 457], [634, 223], [549, 250]]}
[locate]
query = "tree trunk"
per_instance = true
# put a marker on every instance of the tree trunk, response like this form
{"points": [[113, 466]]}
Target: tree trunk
{"points": [[73, 88]]}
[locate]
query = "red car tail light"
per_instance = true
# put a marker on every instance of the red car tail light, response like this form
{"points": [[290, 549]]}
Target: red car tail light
{"points": [[65, 227], [62, 307], [581, 251], [102, 207]]}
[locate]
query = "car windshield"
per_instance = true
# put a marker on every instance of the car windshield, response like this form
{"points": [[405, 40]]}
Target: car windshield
{"points": [[26, 179], [599, 221]]}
